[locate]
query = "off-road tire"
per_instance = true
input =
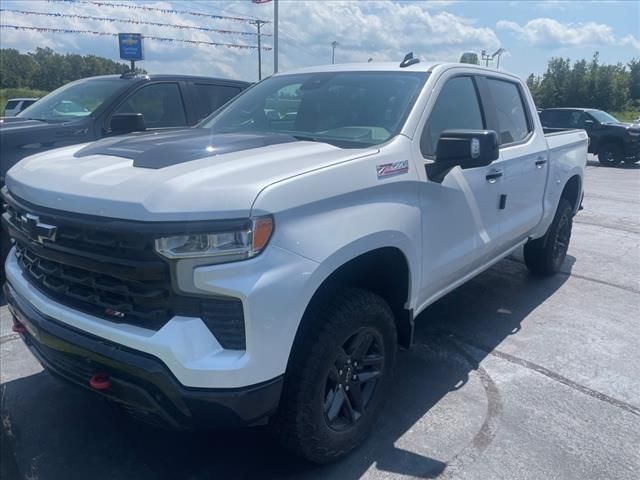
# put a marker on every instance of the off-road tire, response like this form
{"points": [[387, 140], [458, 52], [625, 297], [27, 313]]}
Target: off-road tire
{"points": [[610, 155], [301, 423], [546, 255]]}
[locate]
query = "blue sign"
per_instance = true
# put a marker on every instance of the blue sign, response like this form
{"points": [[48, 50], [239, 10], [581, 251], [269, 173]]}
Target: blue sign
{"points": [[130, 46]]}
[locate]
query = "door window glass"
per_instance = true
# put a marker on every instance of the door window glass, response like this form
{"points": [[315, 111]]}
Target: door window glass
{"points": [[160, 103], [457, 107], [512, 119]]}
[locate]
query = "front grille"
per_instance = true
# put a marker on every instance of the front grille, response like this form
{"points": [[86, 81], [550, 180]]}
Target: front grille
{"points": [[109, 269], [144, 303]]}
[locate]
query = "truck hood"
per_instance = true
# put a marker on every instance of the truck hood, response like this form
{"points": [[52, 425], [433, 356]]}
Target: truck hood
{"points": [[178, 175]]}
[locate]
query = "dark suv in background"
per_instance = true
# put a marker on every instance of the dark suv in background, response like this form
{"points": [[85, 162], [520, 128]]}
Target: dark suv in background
{"points": [[97, 107], [611, 140]]}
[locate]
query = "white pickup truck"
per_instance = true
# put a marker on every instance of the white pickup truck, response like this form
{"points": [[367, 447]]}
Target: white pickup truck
{"points": [[264, 268]]}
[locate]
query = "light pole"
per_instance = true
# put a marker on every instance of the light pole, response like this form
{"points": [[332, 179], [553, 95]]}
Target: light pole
{"points": [[334, 44], [258, 24]]}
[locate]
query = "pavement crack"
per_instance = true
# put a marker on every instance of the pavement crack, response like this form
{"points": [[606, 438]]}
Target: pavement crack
{"points": [[583, 277], [488, 430], [9, 337], [546, 372], [609, 226]]}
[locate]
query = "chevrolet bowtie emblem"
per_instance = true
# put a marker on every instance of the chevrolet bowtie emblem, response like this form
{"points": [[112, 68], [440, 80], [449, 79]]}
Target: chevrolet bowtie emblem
{"points": [[37, 230]]}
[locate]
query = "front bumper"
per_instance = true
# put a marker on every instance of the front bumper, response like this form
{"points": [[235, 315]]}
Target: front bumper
{"points": [[632, 148], [138, 382]]}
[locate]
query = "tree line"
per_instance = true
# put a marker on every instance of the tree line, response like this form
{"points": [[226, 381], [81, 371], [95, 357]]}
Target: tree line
{"points": [[47, 70], [588, 84]]}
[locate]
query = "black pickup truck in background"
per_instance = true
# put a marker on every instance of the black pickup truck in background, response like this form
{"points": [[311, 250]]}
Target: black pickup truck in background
{"points": [[97, 107], [611, 140]]}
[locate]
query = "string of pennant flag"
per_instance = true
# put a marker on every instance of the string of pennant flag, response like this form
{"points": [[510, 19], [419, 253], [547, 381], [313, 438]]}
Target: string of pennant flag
{"points": [[133, 6], [130, 21], [146, 37]]}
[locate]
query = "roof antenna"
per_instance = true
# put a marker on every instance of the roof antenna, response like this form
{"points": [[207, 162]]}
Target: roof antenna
{"points": [[409, 60]]}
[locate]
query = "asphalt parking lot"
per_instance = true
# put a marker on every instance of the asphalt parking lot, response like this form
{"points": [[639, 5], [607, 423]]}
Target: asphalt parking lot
{"points": [[512, 377]]}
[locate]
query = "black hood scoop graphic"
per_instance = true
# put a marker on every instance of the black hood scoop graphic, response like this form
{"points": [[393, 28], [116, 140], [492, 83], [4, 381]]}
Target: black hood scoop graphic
{"points": [[159, 150]]}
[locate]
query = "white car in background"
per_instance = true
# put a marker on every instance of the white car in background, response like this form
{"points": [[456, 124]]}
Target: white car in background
{"points": [[15, 105]]}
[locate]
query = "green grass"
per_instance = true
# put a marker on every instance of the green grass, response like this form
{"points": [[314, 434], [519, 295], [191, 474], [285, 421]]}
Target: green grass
{"points": [[628, 116], [7, 93]]}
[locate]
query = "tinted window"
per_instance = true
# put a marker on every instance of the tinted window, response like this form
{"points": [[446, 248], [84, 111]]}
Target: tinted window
{"points": [[160, 103], [457, 107], [346, 109], [11, 104], [27, 103], [210, 97], [512, 119]]}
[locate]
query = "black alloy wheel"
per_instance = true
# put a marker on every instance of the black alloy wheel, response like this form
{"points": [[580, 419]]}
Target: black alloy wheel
{"points": [[353, 378]]}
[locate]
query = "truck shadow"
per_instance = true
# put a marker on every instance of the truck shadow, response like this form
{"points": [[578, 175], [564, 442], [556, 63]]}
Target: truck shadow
{"points": [[58, 432]]}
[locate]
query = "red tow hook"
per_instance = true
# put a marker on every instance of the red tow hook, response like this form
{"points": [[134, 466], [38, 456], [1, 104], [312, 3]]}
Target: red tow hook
{"points": [[18, 327], [100, 381]]}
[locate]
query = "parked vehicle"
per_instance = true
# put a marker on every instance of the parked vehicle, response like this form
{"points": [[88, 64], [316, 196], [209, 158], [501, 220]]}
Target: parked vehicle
{"points": [[258, 269], [104, 106], [612, 141], [15, 105]]}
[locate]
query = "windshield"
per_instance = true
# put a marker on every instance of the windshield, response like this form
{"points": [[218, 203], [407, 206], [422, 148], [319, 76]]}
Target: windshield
{"points": [[603, 117], [73, 100], [346, 109]]}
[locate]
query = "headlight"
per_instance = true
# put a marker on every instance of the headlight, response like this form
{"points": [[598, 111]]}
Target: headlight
{"points": [[634, 133], [219, 247]]}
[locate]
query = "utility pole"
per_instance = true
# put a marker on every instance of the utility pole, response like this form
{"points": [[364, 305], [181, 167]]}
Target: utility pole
{"points": [[275, 36], [258, 24], [334, 44]]}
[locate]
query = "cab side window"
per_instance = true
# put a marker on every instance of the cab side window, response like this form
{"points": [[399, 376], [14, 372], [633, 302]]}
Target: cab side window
{"points": [[160, 103], [457, 107], [512, 118]]}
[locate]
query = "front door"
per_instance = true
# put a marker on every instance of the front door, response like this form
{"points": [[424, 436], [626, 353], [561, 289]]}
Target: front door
{"points": [[460, 221]]}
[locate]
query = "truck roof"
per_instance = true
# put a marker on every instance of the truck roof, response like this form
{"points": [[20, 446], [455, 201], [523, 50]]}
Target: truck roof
{"points": [[388, 67]]}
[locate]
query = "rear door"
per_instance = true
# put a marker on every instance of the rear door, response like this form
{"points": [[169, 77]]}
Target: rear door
{"points": [[460, 218], [523, 156]]}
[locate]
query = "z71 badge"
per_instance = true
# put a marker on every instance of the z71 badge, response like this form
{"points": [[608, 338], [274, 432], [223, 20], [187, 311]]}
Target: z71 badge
{"points": [[395, 168]]}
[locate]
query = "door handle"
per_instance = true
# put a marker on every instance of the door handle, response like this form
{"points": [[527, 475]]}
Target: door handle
{"points": [[540, 162], [493, 176]]}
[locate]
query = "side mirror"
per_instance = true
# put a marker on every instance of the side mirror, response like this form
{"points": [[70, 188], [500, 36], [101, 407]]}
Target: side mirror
{"points": [[127, 123], [463, 148], [589, 124]]}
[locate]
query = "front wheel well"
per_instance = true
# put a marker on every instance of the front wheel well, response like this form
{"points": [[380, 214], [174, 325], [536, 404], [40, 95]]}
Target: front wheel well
{"points": [[383, 271]]}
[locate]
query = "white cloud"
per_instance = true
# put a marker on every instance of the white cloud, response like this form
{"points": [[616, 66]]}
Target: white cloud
{"points": [[383, 30], [547, 32], [630, 41]]}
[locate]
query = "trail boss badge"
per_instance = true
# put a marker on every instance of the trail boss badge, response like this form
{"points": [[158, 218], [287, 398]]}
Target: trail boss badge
{"points": [[395, 168]]}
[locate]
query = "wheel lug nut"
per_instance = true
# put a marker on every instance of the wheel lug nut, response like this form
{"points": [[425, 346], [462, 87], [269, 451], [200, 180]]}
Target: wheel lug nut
{"points": [[355, 377], [340, 372], [346, 388]]}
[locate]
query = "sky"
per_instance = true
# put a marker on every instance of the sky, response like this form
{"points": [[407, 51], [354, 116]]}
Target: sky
{"points": [[384, 30]]}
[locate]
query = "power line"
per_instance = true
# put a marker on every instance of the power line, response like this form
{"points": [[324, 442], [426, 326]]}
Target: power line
{"points": [[157, 9], [147, 37], [136, 22]]}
